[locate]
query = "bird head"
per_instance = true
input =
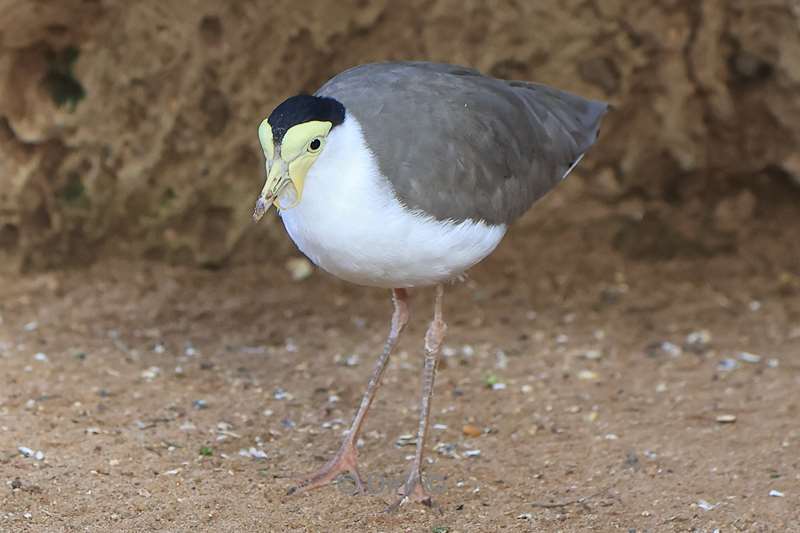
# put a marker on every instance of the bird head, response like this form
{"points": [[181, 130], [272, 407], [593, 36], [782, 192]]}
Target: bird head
{"points": [[292, 138]]}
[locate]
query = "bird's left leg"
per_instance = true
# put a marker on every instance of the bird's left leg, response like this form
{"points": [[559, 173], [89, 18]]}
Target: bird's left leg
{"points": [[345, 459], [414, 488]]}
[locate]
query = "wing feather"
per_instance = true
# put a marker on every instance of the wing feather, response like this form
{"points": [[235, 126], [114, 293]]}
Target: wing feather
{"points": [[460, 145]]}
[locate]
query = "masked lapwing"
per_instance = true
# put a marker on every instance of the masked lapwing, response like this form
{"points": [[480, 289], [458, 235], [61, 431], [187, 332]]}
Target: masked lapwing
{"points": [[404, 175]]}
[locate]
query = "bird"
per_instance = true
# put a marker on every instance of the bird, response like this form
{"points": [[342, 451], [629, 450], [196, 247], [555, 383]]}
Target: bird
{"points": [[401, 175]]}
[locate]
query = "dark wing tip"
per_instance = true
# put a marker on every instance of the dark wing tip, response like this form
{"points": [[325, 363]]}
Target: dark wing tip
{"points": [[592, 118]]}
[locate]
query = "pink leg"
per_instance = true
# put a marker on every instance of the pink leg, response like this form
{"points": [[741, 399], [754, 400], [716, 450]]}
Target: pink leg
{"points": [[345, 459], [414, 488]]}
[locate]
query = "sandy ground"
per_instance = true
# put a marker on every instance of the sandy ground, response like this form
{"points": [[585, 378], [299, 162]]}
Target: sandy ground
{"points": [[141, 383]]}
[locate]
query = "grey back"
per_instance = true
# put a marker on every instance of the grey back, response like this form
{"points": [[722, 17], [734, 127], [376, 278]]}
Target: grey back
{"points": [[459, 145]]}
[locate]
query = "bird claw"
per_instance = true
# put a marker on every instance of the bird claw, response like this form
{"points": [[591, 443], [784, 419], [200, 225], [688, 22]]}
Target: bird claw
{"points": [[413, 490], [345, 461]]}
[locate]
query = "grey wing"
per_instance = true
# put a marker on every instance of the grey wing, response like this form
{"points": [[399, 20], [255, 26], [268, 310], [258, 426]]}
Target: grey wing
{"points": [[459, 145]]}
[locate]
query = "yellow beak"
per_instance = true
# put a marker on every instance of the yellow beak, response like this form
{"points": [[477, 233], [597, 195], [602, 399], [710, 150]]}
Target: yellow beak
{"points": [[274, 191]]}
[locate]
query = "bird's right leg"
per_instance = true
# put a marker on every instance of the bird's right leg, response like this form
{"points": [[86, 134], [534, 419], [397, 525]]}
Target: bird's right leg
{"points": [[345, 459]]}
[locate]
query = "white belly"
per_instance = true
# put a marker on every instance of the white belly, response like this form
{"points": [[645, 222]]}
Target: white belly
{"points": [[349, 223]]}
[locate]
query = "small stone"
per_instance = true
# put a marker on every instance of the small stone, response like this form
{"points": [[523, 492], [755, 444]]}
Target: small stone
{"points": [[471, 430], [151, 373], [446, 449], [592, 355], [406, 440], [501, 360], [698, 341], [291, 347], [726, 419], [333, 424], [748, 357], [659, 348], [253, 453], [281, 394], [704, 505], [299, 268], [671, 348], [16, 484], [25, 451]]}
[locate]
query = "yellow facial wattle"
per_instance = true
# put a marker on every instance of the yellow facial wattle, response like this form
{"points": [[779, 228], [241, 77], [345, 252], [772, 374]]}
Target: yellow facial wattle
{"points": [[289, 162]]}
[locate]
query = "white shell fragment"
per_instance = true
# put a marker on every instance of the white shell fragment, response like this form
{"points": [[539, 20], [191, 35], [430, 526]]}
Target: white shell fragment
{"points": [[28, 452], [253, 453], [704, 505], [748, 357]]}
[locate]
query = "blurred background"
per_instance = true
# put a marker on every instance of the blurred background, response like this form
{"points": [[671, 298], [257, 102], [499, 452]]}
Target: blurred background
{"points": [[127, 128], [627, 359]]}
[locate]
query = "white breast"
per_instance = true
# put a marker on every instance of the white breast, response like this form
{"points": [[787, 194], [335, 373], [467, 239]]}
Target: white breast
{"points": [[350, 223]]}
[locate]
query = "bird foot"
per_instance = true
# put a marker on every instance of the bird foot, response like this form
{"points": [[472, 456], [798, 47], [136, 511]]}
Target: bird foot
{"points": [[345, 461], [412, 491]]}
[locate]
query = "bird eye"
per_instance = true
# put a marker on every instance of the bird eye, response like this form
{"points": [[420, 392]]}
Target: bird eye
{"points": [[314, 145]]}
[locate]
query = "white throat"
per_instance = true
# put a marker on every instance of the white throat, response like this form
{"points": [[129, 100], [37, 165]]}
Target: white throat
{"points": [[350, 223]]}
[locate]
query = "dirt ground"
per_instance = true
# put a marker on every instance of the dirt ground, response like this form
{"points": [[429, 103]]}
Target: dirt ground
{"points": [[142, 383]]}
